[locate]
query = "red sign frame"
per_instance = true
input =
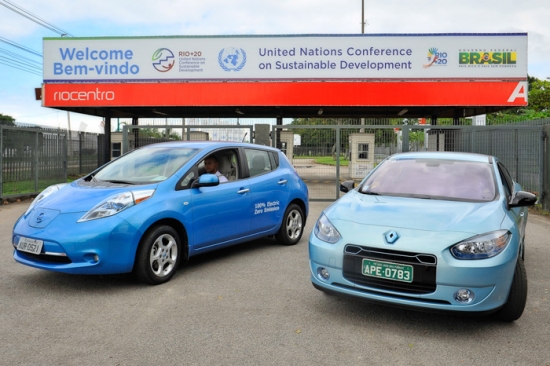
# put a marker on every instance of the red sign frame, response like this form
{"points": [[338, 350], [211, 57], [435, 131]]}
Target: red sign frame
{"points": [[329, 93]]}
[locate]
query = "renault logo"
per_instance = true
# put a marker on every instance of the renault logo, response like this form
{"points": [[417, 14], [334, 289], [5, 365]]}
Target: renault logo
{"points": [[391, 236]]}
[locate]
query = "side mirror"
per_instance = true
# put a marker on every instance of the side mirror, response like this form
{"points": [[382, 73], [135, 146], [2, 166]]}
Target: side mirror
{"points": [[206, 180], [347, 186], [522, 199]]}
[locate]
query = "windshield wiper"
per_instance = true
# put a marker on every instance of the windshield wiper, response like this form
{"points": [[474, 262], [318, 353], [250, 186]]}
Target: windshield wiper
{"points": [[119, 181]]}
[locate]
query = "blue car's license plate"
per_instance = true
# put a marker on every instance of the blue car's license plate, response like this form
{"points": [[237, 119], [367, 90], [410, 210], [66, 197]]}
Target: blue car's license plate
{"points": [[29, 245], [388, 271]]}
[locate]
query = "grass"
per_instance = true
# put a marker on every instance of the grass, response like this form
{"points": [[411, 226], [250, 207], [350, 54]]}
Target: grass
{"points": [[537, 210], [325, 160]]}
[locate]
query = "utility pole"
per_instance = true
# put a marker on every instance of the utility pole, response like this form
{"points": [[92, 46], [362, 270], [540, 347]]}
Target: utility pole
{"points": [[362, 32], [362, 16]]}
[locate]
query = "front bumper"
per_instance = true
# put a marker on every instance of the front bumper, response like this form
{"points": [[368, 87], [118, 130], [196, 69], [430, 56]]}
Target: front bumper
{"points": [[103, 246], [489, 280]]}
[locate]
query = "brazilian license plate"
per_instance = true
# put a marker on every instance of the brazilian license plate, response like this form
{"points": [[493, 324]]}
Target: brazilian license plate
{"points": [[29, 245], [387, 270]]}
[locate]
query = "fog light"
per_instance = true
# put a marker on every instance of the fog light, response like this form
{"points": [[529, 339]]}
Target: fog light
{"points": [[96, 258], [464, 296], [323, 273]]}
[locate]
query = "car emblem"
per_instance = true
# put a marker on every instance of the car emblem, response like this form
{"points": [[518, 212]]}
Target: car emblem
{"points": [[40, 218], [391, 237]]}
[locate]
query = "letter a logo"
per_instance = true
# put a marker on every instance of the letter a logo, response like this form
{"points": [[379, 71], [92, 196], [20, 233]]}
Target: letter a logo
{"points": [[519, 92]]}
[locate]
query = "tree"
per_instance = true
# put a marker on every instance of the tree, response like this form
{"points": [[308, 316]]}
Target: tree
{"points": [[539, 95], [6, 120], [539, 105]]}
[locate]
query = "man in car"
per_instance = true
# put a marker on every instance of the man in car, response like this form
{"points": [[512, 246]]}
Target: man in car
{"points": [[211, 166]]}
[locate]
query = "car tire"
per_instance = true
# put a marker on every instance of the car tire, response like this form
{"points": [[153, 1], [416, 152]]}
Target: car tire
{"points": [[158, 255], [517, 298], [292, 226]]}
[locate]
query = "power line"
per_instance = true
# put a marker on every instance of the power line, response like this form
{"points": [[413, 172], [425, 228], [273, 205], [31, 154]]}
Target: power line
{"points": [[11, 43], [21, 58], [27, 14], [21, 63], [18, 66]]}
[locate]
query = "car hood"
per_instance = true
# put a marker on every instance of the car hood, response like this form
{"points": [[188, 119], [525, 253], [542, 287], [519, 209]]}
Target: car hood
{"points": [[79, 197], [417, 214]]}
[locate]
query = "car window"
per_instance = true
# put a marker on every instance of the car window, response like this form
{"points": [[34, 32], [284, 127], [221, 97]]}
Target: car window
{"points": [[188, 179], [259, 161], [146, 165], [228, 167], [431, 178], [275, 160]]}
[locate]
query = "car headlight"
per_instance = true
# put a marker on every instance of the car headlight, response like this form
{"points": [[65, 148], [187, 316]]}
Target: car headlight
{"points": [[45, 193], [325, 231], [116, 203], [482, 246]]}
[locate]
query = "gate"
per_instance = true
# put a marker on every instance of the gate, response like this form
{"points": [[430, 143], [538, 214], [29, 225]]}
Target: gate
{"points": [[134, 136], [330, 154]]}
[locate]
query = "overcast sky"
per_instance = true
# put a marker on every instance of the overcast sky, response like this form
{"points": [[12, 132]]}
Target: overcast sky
{"points": [[96, 18]]}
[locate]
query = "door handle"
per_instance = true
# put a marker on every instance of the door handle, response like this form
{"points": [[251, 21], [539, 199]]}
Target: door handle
{"points": [[281, 182], [243, 190]]}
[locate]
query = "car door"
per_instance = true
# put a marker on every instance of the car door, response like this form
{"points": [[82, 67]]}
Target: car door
{"points": [[269, 189], [220, 214]]}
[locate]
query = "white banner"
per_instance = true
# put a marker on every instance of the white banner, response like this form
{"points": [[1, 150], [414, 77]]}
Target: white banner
{"points": [[316, 57]]}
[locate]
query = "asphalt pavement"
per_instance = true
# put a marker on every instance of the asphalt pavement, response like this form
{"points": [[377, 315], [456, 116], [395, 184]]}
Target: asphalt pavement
{"points": [[252, 304]]}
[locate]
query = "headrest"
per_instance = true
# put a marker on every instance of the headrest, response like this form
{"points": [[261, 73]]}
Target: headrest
{"points": [[224, 164]]}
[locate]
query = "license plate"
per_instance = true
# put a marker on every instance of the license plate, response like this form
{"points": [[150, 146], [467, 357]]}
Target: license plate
{"points": [[30, 245], [387, 270]]}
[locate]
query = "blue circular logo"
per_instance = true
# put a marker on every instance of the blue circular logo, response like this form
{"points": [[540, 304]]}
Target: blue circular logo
{"points": [[232, 59], [163, 60]]}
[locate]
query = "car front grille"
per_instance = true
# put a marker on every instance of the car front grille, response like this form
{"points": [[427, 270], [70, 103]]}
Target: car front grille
{"points": [[424, 269], [46, 258]]}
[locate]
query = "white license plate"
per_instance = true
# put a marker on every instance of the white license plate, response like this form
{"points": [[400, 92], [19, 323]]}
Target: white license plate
{"points": [[30, 245]]}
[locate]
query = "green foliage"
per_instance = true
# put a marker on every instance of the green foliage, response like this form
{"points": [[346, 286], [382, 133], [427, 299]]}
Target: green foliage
{"points": [[6, 120], [539, 105], [150, 132]]}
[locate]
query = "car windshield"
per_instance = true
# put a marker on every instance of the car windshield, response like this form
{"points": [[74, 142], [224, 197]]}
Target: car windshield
{"points": [[433, 178], [152, 164]]}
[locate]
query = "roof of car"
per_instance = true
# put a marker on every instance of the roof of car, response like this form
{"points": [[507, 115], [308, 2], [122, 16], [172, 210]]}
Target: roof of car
{"points": [[445, 155], [209, 144]]}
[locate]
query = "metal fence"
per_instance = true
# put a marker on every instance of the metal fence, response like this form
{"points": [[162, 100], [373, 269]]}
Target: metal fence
{"points": [[31, 159], [326, 157], [134, 137]]}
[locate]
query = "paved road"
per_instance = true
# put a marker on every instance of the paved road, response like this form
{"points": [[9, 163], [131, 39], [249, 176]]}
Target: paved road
{"points": [[249, 305]]}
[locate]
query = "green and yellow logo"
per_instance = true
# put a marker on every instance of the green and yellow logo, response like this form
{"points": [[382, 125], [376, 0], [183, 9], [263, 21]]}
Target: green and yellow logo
{"points": [[489, 58]]}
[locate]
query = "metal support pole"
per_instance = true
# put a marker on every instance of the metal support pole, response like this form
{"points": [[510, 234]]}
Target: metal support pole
{"points": [[544, 161], [337, 162], [106, 142], [405, 138]]}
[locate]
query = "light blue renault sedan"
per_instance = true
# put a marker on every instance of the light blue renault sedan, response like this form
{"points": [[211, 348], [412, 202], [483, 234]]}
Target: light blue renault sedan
{"points": [[436, 231], [158, 205]]}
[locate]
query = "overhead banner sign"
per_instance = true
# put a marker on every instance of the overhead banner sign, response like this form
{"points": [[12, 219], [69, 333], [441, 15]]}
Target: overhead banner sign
{"points": [[216, 94], [278, 58]]}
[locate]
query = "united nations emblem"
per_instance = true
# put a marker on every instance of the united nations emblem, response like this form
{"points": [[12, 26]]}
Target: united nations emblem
{"points": [[232, 59]]}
